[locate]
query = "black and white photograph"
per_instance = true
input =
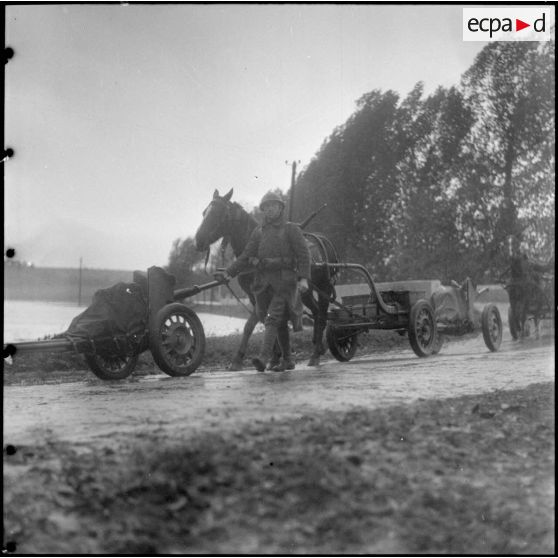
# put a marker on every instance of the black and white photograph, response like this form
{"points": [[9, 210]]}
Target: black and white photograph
{"points": [[279, 278]]}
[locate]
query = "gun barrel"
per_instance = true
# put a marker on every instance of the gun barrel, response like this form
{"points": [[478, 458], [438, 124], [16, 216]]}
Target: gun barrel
{"points": [[191, 291]]}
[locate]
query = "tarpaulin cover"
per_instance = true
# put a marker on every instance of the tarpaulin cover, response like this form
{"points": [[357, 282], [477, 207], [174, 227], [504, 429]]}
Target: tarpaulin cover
{"points": [[120, 309], [449, 307]]}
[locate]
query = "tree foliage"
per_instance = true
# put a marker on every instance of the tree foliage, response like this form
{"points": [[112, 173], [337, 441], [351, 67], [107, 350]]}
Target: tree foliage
{"points": [[431, 186], [182, 260], [510, 89]]}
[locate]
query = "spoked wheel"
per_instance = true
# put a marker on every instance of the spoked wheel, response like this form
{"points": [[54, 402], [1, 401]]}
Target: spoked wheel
{"points": [[341, 342], [491, 327], [422, 328], [111, 366], [177, 340]]}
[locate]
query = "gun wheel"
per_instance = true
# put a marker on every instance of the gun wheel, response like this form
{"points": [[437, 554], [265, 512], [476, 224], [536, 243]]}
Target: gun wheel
{"points": [[422, 328], [491, 327], [177, 340], [111, 367], [342, 343]]}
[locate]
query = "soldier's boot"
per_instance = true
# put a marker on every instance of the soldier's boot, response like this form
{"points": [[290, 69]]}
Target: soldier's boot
{"points": [[260, 362], [275, 356], [287, 361]]}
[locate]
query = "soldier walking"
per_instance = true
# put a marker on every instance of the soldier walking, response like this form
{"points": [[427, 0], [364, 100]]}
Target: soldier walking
{"points": [[278, 251]]}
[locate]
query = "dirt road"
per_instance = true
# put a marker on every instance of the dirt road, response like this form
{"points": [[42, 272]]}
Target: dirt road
{"points": [[308, 461], [96, 411]]}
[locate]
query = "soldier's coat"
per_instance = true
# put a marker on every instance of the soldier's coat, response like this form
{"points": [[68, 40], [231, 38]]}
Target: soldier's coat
{"points": [[272, 241]]}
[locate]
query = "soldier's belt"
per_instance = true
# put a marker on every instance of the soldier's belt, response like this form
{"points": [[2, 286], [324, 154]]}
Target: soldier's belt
{"points": [[271, 264]]}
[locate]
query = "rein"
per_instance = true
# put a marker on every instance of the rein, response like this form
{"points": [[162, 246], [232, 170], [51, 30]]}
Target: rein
{"points": [[238, 299]]}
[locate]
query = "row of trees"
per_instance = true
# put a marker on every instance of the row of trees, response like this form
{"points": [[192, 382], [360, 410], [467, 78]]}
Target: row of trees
{"points": [[431, 187]]}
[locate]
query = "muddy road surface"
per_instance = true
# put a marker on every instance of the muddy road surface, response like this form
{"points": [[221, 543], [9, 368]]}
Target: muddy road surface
{"points": [[96, 411]]}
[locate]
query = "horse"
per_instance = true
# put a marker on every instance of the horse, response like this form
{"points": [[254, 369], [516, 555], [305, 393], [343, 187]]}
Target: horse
{"points": [[526, 301], [227, 220], [527, 297]]}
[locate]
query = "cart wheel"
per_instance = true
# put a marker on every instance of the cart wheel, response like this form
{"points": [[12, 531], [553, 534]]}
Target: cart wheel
{"points": [[177, 340], [422, 328], [111, 367], [342, 343], [511, 322], [491, 327]]}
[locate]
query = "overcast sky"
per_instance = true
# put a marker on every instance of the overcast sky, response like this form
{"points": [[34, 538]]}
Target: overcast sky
{"points": [[125, 118]]}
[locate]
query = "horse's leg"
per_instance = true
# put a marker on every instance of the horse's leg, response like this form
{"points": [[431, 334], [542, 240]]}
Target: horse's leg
{"points": [[539, 312], [536, 318], [517, 314], [519, 323], [522, 325], [249, 326], [275, 355], [310, 303], [319, 314]]}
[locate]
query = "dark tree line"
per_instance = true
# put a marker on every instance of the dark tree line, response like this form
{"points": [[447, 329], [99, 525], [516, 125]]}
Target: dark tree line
{"points": [[431, 187], [184, 262]]}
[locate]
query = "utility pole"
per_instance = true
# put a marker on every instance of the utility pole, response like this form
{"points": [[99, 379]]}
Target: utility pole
{"points": [[292, 191], [79, 286]]}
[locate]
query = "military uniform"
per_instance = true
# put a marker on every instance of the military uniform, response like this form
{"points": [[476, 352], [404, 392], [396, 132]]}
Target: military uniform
{"points": [[279, 253]]}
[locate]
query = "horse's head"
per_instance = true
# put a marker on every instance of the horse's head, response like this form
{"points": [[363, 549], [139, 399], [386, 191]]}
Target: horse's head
{"points": [[215, 219]]}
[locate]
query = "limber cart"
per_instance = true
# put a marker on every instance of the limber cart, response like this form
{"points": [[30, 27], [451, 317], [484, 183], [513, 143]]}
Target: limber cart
{"points": [[425, 319], [169, 329]]}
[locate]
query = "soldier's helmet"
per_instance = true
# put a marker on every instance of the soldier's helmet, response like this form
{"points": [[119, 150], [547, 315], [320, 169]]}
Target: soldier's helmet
{"points": [[271, 197]]}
